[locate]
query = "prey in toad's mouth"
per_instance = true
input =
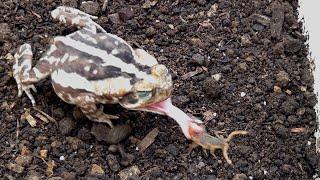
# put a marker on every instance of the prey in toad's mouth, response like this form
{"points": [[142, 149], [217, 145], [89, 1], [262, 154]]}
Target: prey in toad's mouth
{"points": [[91, 66]]}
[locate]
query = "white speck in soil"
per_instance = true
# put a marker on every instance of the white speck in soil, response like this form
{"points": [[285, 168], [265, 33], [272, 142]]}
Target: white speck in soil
{"points": [[242, 94], [308, 143], [62, 158]]}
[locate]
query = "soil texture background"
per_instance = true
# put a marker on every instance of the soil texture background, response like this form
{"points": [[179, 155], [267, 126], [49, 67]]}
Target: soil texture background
{"points": [[236, 64]]}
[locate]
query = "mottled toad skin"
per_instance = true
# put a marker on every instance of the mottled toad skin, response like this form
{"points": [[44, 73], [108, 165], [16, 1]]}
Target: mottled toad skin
{"points": [[91, 66]]}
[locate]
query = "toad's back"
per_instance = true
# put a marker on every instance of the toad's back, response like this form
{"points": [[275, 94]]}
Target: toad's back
{"points": [[96, 56]]}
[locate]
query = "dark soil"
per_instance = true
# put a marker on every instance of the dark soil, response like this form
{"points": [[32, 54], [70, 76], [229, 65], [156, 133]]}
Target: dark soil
{"points": [[265, 88]]}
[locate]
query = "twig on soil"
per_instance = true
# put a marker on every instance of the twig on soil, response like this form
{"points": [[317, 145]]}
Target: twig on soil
{"points": [[27, 116], [50, 166], [17, 132], [148, 140], [183, 20], [37, 15], [104, 6], [45, 114], [42, 117], [192, 73], [298, 130]]}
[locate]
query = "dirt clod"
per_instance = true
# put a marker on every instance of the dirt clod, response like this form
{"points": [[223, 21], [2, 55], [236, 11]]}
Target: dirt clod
{"points": [[279, 48], [90, 7], [240, 177], [212, 88], [15, 167], [199, 59], [289, 106], [4, 32], [150, 31], [66, 125], [283, 78], [23, 160], [113, 163], [291, 44], [70, 3], [103, 132], [277, 19], [69, 176], [114, 18], [125, 14], [74, 142]]}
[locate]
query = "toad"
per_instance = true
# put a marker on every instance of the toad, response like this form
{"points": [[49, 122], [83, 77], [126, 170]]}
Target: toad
{"points": [[91, 67]]}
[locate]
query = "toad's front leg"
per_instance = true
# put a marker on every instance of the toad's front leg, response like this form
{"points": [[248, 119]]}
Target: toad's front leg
{"points": [[75, 17], [25, 75], [89, 108]]}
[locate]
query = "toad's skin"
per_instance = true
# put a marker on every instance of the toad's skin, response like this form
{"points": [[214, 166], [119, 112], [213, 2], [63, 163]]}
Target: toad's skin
{"points": [[91, 66]]}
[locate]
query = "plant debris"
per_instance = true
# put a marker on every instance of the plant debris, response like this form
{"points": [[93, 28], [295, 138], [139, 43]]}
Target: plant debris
{"points": [[148, 140]]}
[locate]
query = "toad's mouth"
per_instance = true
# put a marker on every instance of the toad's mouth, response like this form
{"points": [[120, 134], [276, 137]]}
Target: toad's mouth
{"points": [[189, 126]]}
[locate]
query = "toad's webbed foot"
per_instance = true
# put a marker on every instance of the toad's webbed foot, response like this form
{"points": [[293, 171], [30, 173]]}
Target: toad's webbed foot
{"points": [[212, 143]]}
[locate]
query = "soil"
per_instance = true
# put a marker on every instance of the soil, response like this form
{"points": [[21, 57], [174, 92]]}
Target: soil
{"points": [[251, 73]]}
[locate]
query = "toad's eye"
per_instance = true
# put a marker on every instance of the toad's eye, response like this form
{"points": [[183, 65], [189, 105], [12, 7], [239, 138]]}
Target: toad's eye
{"points": [[144, 94]]}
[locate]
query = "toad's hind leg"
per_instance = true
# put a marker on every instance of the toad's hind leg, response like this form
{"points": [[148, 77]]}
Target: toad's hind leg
{"points": [[75, 17], [25, 75]]}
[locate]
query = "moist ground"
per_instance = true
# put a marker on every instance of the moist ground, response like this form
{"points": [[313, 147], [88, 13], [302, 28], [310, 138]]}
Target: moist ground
{"points": [[251, 73]]}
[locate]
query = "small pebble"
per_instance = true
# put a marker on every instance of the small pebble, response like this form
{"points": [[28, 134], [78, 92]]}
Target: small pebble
{"points": [[245, 40], [277, 89], [242, 94], [43, 153], [150, 31], [308, 143], [114, 18], [201, 165], [96, 170], [198, 59], [129, 173], [61, 158], [217, 76], [56, 144], [243, 66], [288, 92]]}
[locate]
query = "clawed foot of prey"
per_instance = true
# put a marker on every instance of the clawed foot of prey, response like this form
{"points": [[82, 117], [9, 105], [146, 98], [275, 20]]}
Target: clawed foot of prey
{"points": [[212, 143]]}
